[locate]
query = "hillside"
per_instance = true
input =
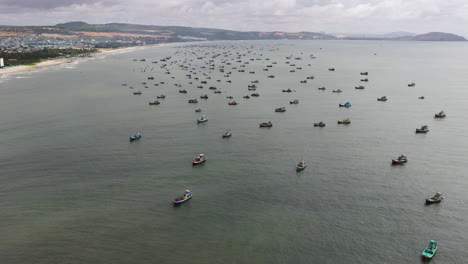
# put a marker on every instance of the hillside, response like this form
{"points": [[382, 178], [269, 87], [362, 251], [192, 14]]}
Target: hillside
{"points": [[437, 36]]}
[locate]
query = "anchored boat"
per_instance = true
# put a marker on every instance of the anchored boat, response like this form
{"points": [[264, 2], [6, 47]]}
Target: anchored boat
{"points": [[184, 197], [301, 166], [199, 160], [135, 136], [400, 160], [437, 198], [430, 250]]}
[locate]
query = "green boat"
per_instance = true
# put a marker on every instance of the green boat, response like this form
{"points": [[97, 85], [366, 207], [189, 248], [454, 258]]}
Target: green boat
{"points": [[430, 250]]}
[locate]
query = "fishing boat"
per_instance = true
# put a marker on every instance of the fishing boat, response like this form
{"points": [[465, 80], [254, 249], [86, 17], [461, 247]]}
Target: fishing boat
{"points": [[227, 134], [255, 95], [202, 119], [331, 69], [441, 114], [421, 97], [287, 91], [437, 198], [199, 160], [183, 198], [182, 91], [364, 80], [360, 87], [347, 104], [198, 110], [319, 124], [267, 124], [246, 97], [423, 129], [294, 101], [364, 73], [301, 166], [204, 96], [135, 136], [382, 99], [217, 92], [137, 93], [337, 91], [411, 84], [400, 160], [162, 96], [344, 122], [430, 250], [193, 101], [229, 97], [280, 109], [155, 102], [322, 88], [232, 103]]}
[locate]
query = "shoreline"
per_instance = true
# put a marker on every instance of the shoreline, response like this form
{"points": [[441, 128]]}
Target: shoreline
{"points": [[60, 61]]}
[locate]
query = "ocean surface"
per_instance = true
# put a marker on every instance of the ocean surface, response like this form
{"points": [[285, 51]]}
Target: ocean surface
{"points": [[73, 189]]}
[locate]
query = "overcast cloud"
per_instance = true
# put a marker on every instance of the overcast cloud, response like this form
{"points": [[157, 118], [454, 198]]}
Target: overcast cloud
{"points": [[353, 16]]}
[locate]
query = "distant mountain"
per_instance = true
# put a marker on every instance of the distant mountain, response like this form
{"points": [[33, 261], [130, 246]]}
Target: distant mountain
{"points": [[399, 34], [435, 36], [174, 32]]}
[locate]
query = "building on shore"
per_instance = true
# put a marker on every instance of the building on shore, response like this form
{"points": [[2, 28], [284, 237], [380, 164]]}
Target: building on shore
{"points": [[2, 64]]}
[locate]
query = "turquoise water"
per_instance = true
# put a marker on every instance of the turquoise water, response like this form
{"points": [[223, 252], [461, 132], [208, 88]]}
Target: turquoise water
{"points": [[75, 190]]}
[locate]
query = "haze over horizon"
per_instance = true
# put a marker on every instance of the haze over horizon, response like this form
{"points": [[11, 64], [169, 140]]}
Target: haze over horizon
{"points": [[331, 16]]}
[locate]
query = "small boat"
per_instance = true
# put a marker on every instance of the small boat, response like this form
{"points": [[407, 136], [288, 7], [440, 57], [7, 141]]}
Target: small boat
{"points": [[267, 124], [382, 99], [182, 91], [229, 97], [301, 166], [204, 96], [337, 91], [421, 97], [247, 97], [400, 160], [217, 92], [162, 96], [423, 129], [232, 103], [199, 160], [155, 102], [184, 197], [280, 109], [135, 136], [364, 73], [310, 77], [344, 122], [319, 124], [198, 110], [322, 88], [360, 87], [227, 134], [364, 80], [411, 85], [331, 69], [151, 78], [193, 101], [137, 93], [287, 91], [202, 119], [430, 250], [441, 114], [347, 104], [304, 81], [294, 101], [255, 95], [437, 198], [271, 76]]}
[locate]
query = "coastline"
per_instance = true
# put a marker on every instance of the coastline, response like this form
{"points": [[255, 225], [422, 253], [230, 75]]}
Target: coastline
{"points": [[56, 62]]}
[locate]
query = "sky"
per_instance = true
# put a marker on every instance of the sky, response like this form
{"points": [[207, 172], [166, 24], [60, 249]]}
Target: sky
{"points": [[330, 16]]}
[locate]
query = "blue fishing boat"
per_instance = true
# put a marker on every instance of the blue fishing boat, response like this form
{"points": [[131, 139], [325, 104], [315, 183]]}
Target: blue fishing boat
{"points": [[347, 104], [136, 136], [202, 119], [441, 114], [280, 109], [301, 166], [184, 197], [430, 250]]}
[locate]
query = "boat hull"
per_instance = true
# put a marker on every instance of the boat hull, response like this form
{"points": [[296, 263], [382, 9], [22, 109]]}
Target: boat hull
{"points": [[132, 138], [431, 201], [394, 161], [177, 202]]}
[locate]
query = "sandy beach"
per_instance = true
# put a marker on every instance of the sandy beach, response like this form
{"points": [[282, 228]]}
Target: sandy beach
{"points": [[55, 62]]}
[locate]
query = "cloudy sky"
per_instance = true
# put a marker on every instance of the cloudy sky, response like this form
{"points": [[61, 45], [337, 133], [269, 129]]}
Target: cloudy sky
{"points": [[335, 16]]}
